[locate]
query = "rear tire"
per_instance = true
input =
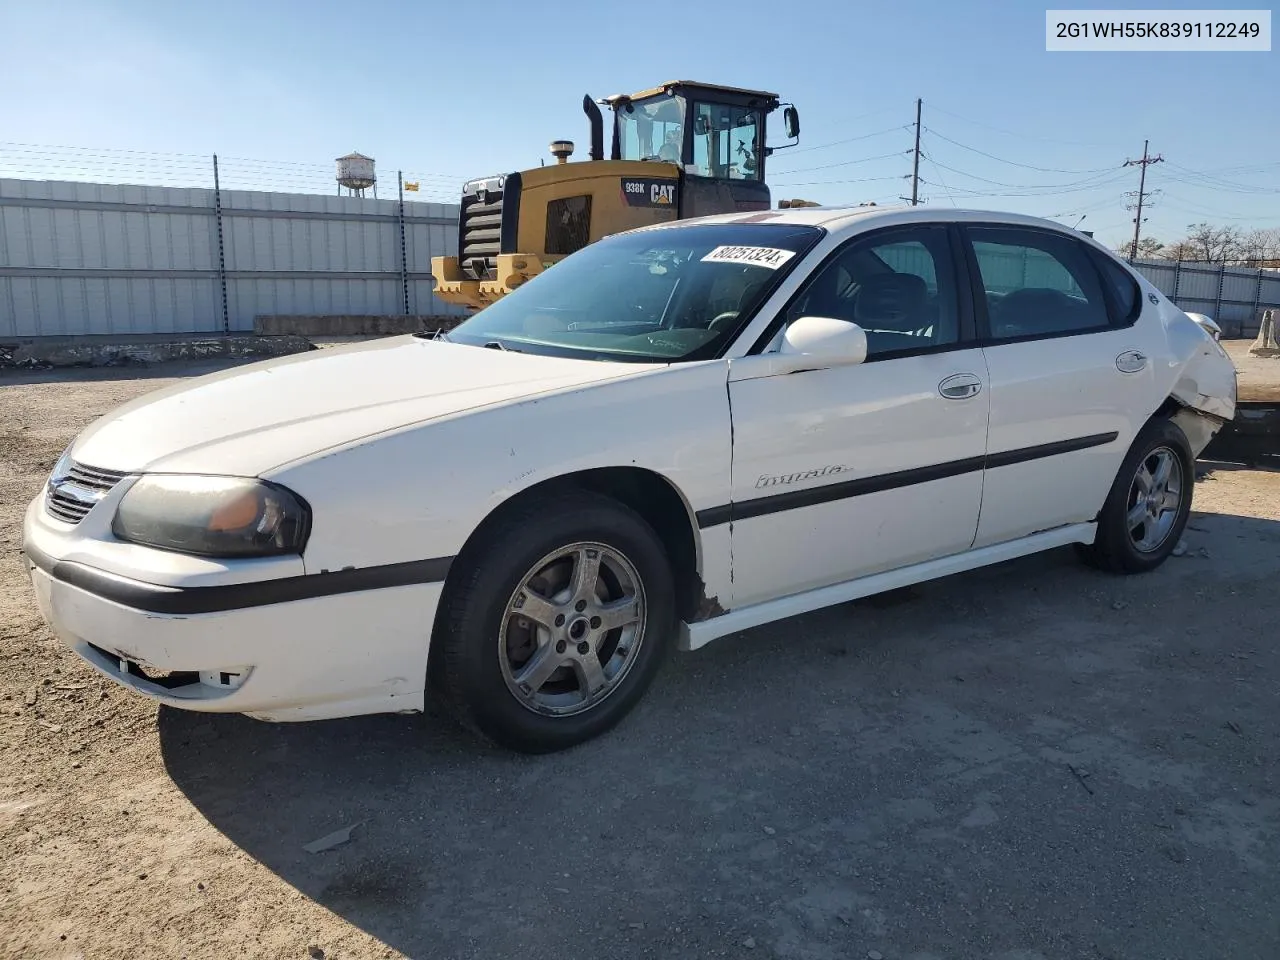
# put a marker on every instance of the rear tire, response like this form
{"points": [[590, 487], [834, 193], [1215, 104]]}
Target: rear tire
{"points": [[555, 622], [1149, 503]]}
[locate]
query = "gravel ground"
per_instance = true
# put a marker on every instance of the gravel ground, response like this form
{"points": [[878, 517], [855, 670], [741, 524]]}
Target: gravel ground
{"points": [[1030, 761], [1258, 378]]}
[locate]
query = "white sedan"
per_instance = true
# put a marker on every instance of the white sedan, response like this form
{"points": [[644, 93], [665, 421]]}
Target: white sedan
{"points": [[675, 434]]}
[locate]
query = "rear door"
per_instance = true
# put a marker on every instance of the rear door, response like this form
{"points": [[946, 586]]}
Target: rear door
{"points": [[1071, 376], [849, 471]]}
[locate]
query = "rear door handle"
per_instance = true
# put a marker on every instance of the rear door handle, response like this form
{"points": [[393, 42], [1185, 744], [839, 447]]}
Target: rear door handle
{"points": [[960, 386], [1131, 361]]}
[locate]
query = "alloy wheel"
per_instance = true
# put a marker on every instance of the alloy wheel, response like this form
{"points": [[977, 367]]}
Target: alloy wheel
{"points": [[572, 628], [1155, 497]]}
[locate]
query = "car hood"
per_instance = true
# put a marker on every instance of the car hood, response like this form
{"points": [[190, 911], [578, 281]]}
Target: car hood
{"points": [[247, 420]]}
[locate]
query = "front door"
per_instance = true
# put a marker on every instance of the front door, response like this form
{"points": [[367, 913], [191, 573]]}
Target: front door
{"points": [[849, 471]]}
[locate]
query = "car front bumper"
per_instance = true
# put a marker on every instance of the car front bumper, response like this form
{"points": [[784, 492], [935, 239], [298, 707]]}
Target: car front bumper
{"points": [[353, 652]]}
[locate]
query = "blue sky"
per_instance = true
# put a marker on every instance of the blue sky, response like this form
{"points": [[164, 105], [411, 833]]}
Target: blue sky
{"points": [[143, 91]]}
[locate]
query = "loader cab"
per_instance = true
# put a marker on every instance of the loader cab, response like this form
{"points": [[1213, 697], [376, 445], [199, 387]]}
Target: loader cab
{"points": [[715, 135]]}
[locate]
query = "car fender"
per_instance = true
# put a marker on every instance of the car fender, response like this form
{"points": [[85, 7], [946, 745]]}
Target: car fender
{"points": [[420, 492]]}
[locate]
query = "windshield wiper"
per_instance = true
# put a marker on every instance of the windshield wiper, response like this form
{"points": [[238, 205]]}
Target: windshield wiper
{"points": [[499, 345]]}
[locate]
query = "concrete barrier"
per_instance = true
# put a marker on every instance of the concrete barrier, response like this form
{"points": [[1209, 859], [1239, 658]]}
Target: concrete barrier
{"points": [[107, 352], [349, 325]]}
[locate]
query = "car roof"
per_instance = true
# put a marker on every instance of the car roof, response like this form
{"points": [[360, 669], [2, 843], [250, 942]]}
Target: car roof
{"points": [[864, 216], [851, 219]]}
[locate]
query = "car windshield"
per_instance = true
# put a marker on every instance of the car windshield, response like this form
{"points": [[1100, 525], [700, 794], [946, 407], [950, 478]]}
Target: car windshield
{"points": [[657, 296]]}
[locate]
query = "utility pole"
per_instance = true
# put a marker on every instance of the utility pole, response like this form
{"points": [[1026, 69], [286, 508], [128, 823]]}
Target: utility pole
{"points": [[915, 166], [1146, 161]]}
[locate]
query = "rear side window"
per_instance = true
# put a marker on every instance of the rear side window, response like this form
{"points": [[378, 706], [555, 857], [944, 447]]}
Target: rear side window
{"points": [[1037, 284], [1126, 297]]}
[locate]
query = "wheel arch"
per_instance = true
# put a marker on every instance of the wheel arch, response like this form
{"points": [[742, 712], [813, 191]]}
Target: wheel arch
{"points": [[1198, 427], [651, 495]]}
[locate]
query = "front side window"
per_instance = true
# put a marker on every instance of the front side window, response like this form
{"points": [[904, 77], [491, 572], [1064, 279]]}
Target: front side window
{"points": [[899, 287], [657, 295], [726, 142], [1037, 284], [652, 128]]}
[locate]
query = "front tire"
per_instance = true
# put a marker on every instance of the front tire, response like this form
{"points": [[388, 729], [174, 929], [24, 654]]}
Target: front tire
{"points": [[555, 622], [1149, 504]]}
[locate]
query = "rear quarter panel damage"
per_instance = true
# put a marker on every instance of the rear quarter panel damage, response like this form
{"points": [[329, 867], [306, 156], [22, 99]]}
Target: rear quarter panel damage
{"points": [[1196, 372]]}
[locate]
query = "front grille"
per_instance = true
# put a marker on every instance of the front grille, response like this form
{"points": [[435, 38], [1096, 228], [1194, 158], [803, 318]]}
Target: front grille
{"points": [[70, 496], [487, 223]]}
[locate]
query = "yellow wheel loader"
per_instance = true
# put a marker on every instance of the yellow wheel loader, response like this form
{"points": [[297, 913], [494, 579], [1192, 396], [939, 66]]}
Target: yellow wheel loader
{"points": [[683, 149]]}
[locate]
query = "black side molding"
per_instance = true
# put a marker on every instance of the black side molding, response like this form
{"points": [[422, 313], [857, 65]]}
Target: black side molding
{"points": [[714, 516], [843, 489], [1006, 458], [154, 598]]}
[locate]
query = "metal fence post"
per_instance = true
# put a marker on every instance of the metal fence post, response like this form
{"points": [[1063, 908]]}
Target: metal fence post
{"points": [[1217, 306], [222, 252], [1177, 280], [404, 254], [1257, 301]]}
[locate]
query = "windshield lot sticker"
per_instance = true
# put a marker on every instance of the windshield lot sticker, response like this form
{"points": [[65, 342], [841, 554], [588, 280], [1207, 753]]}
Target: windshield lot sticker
{"points": [[756, 256]]}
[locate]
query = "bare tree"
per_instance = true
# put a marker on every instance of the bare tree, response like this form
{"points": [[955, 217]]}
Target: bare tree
{"points": [[1214, 244], [1260, 246], [1182, 250], [1149, 248]]}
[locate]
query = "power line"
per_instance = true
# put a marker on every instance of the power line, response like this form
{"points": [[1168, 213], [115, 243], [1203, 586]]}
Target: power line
{"points": [[1218, 183], [843, 163], [19, 147], [1096, 180], [865, 136], [1195, 209], [1023, 136], [1245, 168], [818, 183], [1090, 208], [942, 183], [1013, 163], [970, 192]]}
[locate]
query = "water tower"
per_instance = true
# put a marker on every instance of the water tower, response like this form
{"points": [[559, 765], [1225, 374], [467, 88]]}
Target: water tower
{"points": [[355, 172]]}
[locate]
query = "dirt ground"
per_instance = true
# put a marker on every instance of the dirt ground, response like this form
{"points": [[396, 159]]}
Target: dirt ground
{"points": [[1257, 378], [1031, 761]]}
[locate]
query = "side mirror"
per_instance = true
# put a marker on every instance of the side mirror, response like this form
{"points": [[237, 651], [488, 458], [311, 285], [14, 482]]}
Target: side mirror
{"points": [[791, 122], [816, 343]]}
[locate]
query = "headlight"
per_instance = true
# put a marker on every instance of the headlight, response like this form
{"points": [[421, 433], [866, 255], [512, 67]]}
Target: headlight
{"points": [[213, 516]]}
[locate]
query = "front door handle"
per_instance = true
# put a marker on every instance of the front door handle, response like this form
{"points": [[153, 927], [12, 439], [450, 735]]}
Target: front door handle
{"points": [[960, 386], [1131, 361]]}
